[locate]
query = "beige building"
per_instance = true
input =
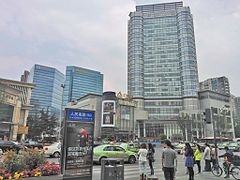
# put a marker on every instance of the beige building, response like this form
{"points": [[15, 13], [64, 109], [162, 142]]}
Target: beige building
{"points": [[14, 108], [128, 119]]}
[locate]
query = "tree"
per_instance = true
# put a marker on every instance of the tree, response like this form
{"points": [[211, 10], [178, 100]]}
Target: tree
{"points": [[163, 137], [41, 123], [182, 123]]}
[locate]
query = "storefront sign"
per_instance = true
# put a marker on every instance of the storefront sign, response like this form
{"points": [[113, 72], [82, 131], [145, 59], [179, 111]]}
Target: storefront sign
{"points": [[22, 129], [78, 144]]}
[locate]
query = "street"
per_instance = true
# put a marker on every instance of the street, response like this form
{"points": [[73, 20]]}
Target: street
{"points": [[131, 171]]}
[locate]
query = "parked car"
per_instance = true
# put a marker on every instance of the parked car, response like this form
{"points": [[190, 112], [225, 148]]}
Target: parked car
{"points": [[113, 151], [33, 144], [53, 150], [134, 147], [10, 145], [223, 145], [235, 146]]}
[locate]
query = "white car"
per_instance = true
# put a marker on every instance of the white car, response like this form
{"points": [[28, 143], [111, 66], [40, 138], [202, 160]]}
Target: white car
{"points": [[53, 150]]}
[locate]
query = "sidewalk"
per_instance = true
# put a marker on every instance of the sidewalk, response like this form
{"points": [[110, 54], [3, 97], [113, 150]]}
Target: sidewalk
{"points": [[202, 176]]}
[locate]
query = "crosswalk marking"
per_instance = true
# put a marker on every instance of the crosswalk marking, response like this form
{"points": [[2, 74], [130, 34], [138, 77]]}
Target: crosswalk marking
{"points": [[132, 171]]}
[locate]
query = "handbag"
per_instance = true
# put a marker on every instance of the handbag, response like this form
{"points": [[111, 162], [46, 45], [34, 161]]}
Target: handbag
{"points": [[194, 160]]}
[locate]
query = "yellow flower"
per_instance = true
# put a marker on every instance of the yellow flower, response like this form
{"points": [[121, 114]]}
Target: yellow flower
{"points": [[37, 174], [16, 175], [10, 177], [1, 178]]}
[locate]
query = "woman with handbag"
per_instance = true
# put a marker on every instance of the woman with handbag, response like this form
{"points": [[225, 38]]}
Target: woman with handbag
{"points": [[189, 160], [150, 157]]}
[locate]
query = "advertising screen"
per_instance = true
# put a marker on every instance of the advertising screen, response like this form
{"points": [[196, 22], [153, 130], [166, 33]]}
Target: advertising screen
{"points": [[108, 113], [78, 143]]}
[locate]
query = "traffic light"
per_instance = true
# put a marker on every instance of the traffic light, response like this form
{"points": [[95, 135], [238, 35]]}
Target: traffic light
{"points": [[207, 116]]}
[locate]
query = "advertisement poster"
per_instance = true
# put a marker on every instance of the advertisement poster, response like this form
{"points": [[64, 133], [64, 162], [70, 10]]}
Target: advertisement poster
{"points": [[108, 113], [79, 128]]}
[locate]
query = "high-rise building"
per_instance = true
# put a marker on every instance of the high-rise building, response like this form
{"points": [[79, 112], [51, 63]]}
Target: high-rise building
{"points": [[25, 76], [162, 64], [218, 84], [48, 91], [79, 82]]}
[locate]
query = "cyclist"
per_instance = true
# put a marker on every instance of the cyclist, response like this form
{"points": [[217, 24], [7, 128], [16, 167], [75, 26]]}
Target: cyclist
{"points": [[228, 157]]}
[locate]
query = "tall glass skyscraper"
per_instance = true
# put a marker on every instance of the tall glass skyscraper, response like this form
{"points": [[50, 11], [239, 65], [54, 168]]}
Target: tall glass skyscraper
{"points": [[48, 91], [80, 81], [162, 64]]}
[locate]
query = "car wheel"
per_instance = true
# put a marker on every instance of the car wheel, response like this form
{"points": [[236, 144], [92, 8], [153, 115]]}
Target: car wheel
{"points": [[131, 159], [56, 155], [100, 160]]}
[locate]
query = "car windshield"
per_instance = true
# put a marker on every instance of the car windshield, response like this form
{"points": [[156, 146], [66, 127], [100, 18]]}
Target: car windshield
{"points": [[98, 147]]}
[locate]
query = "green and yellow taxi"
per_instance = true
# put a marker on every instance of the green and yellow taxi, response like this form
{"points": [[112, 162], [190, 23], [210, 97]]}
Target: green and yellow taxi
{"points": [[134, 147], [113, 151]]}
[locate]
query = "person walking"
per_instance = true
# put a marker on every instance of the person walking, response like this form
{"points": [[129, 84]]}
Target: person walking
{"points": [[189, 161], [213, 155], [150, 157], [198, 157], [168, 157], [142, 153], [207, 157]]}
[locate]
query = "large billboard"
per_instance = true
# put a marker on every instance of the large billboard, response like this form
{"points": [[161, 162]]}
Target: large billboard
{"points": [[77, 148], [108, 113]]}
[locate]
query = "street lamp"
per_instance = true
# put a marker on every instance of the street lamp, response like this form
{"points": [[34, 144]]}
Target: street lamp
{"points": [[61, 112]]}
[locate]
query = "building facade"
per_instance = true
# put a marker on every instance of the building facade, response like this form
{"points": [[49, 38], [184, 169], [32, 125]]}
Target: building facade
{"points": [[80, 82], [48, 91], [236, 114], [14, 108], [218, 84], [220, 113], [162, 64], [116, 116]]}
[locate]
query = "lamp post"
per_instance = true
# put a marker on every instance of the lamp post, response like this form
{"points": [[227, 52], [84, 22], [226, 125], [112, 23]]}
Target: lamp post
{"points": [[61, 112]]}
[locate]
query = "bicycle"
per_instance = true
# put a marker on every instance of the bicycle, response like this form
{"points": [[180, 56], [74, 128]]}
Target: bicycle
{"points": [[234, 171]]}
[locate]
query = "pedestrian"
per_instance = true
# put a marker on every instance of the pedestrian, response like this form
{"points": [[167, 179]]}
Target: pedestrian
{"points": [[168, 157], [189, 161], [175, 168], [150, 157], [183, 155], [142, 153], [207, 157], [213, 155], [198, 157]]}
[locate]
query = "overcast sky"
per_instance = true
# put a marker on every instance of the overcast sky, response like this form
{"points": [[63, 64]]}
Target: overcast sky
{"points": [[93, 34]]}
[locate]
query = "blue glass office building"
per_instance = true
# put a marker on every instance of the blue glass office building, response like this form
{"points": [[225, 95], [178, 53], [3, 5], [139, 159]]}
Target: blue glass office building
{"points": [[80, 81], [48, 91], [162, 64]]}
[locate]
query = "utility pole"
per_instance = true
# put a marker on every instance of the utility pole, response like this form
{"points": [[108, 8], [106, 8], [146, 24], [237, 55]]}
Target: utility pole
{"points": [[214, 132]]}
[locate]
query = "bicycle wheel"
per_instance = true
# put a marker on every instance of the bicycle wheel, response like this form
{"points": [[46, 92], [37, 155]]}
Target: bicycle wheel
{"points": [[235, 171], [217, 170]]}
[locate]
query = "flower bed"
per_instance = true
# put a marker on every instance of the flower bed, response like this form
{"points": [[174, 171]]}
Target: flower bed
{"points": [[30, 163]]}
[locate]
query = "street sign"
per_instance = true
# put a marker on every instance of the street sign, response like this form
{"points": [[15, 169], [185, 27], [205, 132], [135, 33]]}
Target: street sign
{"points": [[77, 149]]}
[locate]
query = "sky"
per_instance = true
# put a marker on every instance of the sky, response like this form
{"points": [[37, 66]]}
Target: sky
{"points": [[93, 34]]}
